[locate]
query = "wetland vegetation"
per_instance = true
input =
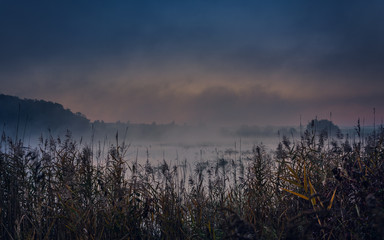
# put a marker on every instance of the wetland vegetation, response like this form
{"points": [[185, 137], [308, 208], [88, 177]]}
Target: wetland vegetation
{"points": [[313, 187]]}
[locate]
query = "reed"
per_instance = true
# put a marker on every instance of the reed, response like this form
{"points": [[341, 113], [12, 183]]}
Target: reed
{"points": [[304, 190]]}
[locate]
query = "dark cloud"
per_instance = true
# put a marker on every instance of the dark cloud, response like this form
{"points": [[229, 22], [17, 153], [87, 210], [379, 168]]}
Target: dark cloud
{"points": [[237, 60]]}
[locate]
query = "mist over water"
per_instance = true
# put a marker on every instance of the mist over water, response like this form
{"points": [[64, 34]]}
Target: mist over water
{"points": [[171, 152], [155, 143], [35, 121], [179, 144]]}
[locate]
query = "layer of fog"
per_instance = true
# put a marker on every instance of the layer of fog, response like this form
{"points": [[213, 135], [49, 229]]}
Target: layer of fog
{"points": [[172, 143]]}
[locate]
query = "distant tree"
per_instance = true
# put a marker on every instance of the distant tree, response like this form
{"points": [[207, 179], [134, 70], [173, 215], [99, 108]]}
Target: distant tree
{"points": [[324, 127]]}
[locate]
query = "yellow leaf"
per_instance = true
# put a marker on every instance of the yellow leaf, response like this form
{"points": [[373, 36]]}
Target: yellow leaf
{"points": [[292, 182], [209, 227], [297, 194], [293, 173], [313, 191], [333, 197]]}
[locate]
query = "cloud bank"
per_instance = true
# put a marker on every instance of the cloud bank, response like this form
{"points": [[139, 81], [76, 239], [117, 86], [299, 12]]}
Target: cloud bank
{"points": [[223, 62]]}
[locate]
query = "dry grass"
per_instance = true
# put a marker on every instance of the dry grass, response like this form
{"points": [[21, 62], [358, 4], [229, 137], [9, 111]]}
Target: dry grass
{"points": [[304, 191]]}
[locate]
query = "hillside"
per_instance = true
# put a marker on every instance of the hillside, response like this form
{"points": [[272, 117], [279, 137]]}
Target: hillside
{"points": [[27, 117]]}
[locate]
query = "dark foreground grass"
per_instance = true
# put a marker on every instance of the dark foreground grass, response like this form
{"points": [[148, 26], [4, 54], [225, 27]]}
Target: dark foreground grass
{"points": [[306, 190]]}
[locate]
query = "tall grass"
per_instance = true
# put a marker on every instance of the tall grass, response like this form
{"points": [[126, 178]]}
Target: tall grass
{"points": [[304, 190]]}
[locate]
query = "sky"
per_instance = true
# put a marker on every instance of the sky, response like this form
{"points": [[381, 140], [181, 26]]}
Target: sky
{"points": [[214, 62]]}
